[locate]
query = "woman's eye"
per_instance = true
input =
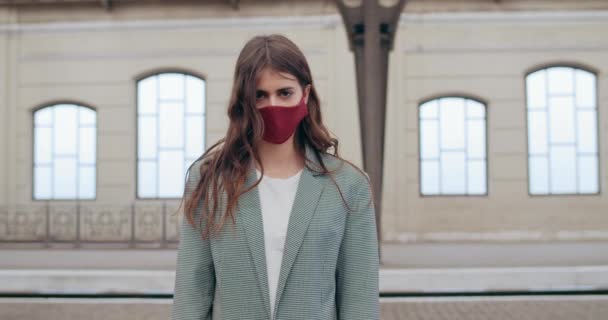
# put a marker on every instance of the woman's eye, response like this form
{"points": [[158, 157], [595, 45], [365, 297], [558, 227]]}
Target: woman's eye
{"points": [[259, 96], [286, 93]]}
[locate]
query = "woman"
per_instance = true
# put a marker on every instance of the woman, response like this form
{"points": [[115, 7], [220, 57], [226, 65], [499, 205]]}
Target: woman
{"points": [[302, 241]]}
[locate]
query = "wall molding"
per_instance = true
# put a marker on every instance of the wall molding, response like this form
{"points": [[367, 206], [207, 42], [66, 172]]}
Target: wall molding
{"points": [[507, 16], [312, 21], [262, 22]]}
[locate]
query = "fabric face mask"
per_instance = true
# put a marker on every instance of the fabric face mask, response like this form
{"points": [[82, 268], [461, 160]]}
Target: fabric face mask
{"points": [[280, 122]]}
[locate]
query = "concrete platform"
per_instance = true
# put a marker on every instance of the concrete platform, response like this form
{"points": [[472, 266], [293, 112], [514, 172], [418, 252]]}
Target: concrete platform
{"points": [[409, 271], [392, 280], [402, 255]]}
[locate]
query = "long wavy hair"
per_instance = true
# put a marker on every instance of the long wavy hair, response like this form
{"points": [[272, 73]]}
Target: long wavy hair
{"points": [[224, 166]]}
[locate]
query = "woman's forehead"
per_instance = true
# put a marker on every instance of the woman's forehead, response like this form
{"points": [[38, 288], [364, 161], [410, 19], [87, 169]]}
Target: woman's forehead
{"points": [[270, 76]]}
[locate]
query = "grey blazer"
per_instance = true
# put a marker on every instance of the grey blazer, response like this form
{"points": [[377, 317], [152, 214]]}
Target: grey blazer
{"points": [[330, 263]]}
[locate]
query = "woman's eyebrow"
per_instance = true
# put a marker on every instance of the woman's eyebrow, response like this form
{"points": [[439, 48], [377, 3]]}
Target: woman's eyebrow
{"points": [[280, 89]]}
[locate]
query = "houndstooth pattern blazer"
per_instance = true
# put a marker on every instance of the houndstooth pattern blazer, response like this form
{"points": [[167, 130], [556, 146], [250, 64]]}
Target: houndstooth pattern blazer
{"points": [[329, 268]]}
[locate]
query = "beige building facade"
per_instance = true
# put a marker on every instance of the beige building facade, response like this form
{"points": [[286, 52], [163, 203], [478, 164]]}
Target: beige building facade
{"points": [[476, 49]]}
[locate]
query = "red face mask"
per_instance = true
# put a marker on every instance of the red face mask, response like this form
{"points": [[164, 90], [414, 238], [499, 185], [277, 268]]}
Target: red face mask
{"points": [[280, 122]]}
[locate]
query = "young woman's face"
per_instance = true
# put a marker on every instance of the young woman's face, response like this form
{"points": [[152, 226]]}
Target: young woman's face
{"points": [[278, 89]]}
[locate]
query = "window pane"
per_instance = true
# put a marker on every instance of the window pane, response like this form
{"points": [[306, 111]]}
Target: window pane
{"points": [[560, 80], [43, 188], [43, 117], [194, 139], [452, 123], [536, 90], [171, 125], [171, 86], [146, 179], [87, 181], [539, 175], [475, 109], [588, 174], [87, 145], [195, 94], [187, 164], [87, 117], [537, 132], [147, 95], [64, 178], [452, 172], [42, 145], [429, 177], [429, 142], [171, 173], [477, 177], [66, 124], [429, 110], [561, 117], [585, 89], [476, 144], [563, 169], [147, 138], [587, 131]]}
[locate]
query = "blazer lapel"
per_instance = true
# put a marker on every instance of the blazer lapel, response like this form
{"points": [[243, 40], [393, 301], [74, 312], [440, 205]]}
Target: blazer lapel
{"points": [[307, 196], [305, 203]]}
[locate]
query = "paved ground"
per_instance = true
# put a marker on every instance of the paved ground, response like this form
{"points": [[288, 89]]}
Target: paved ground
{"points": [[449, 308], [497, 308]]}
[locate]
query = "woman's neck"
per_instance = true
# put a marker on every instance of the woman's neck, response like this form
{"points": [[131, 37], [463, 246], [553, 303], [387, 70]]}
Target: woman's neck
{"points": [[280, 160]]}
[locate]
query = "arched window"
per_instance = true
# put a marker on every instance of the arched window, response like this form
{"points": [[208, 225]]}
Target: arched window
{"points": [[562, 131], [452, 147], [170, 132], [65, 144]]}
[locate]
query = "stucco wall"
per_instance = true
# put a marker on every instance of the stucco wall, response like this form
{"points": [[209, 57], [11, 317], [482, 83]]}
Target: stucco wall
{"points": [[93, 60]]}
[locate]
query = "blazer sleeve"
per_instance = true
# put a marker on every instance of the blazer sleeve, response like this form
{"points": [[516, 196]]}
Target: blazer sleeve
{"points": [[195, 272], [357, 289]]}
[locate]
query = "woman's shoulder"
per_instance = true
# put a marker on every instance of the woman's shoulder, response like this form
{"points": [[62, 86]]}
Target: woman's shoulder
{"points": [[199, 165], [195, 167], [346, 172]]}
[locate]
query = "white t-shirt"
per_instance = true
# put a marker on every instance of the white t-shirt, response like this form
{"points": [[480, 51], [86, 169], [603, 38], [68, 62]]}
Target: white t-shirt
{"points": [[276, 201]]}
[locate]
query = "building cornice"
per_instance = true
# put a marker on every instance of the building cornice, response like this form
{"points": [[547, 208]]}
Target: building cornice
{"points": [[312, 21]]}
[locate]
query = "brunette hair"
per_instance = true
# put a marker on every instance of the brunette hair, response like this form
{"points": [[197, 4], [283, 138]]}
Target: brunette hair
{"points": [[224, 165]]}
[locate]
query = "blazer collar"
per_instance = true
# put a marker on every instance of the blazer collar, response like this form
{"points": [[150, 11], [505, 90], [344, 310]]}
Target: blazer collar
{"points": [[310, 187]]}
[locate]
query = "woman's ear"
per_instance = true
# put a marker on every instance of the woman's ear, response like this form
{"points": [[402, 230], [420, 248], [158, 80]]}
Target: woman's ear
{"points": [[306, 93]]}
